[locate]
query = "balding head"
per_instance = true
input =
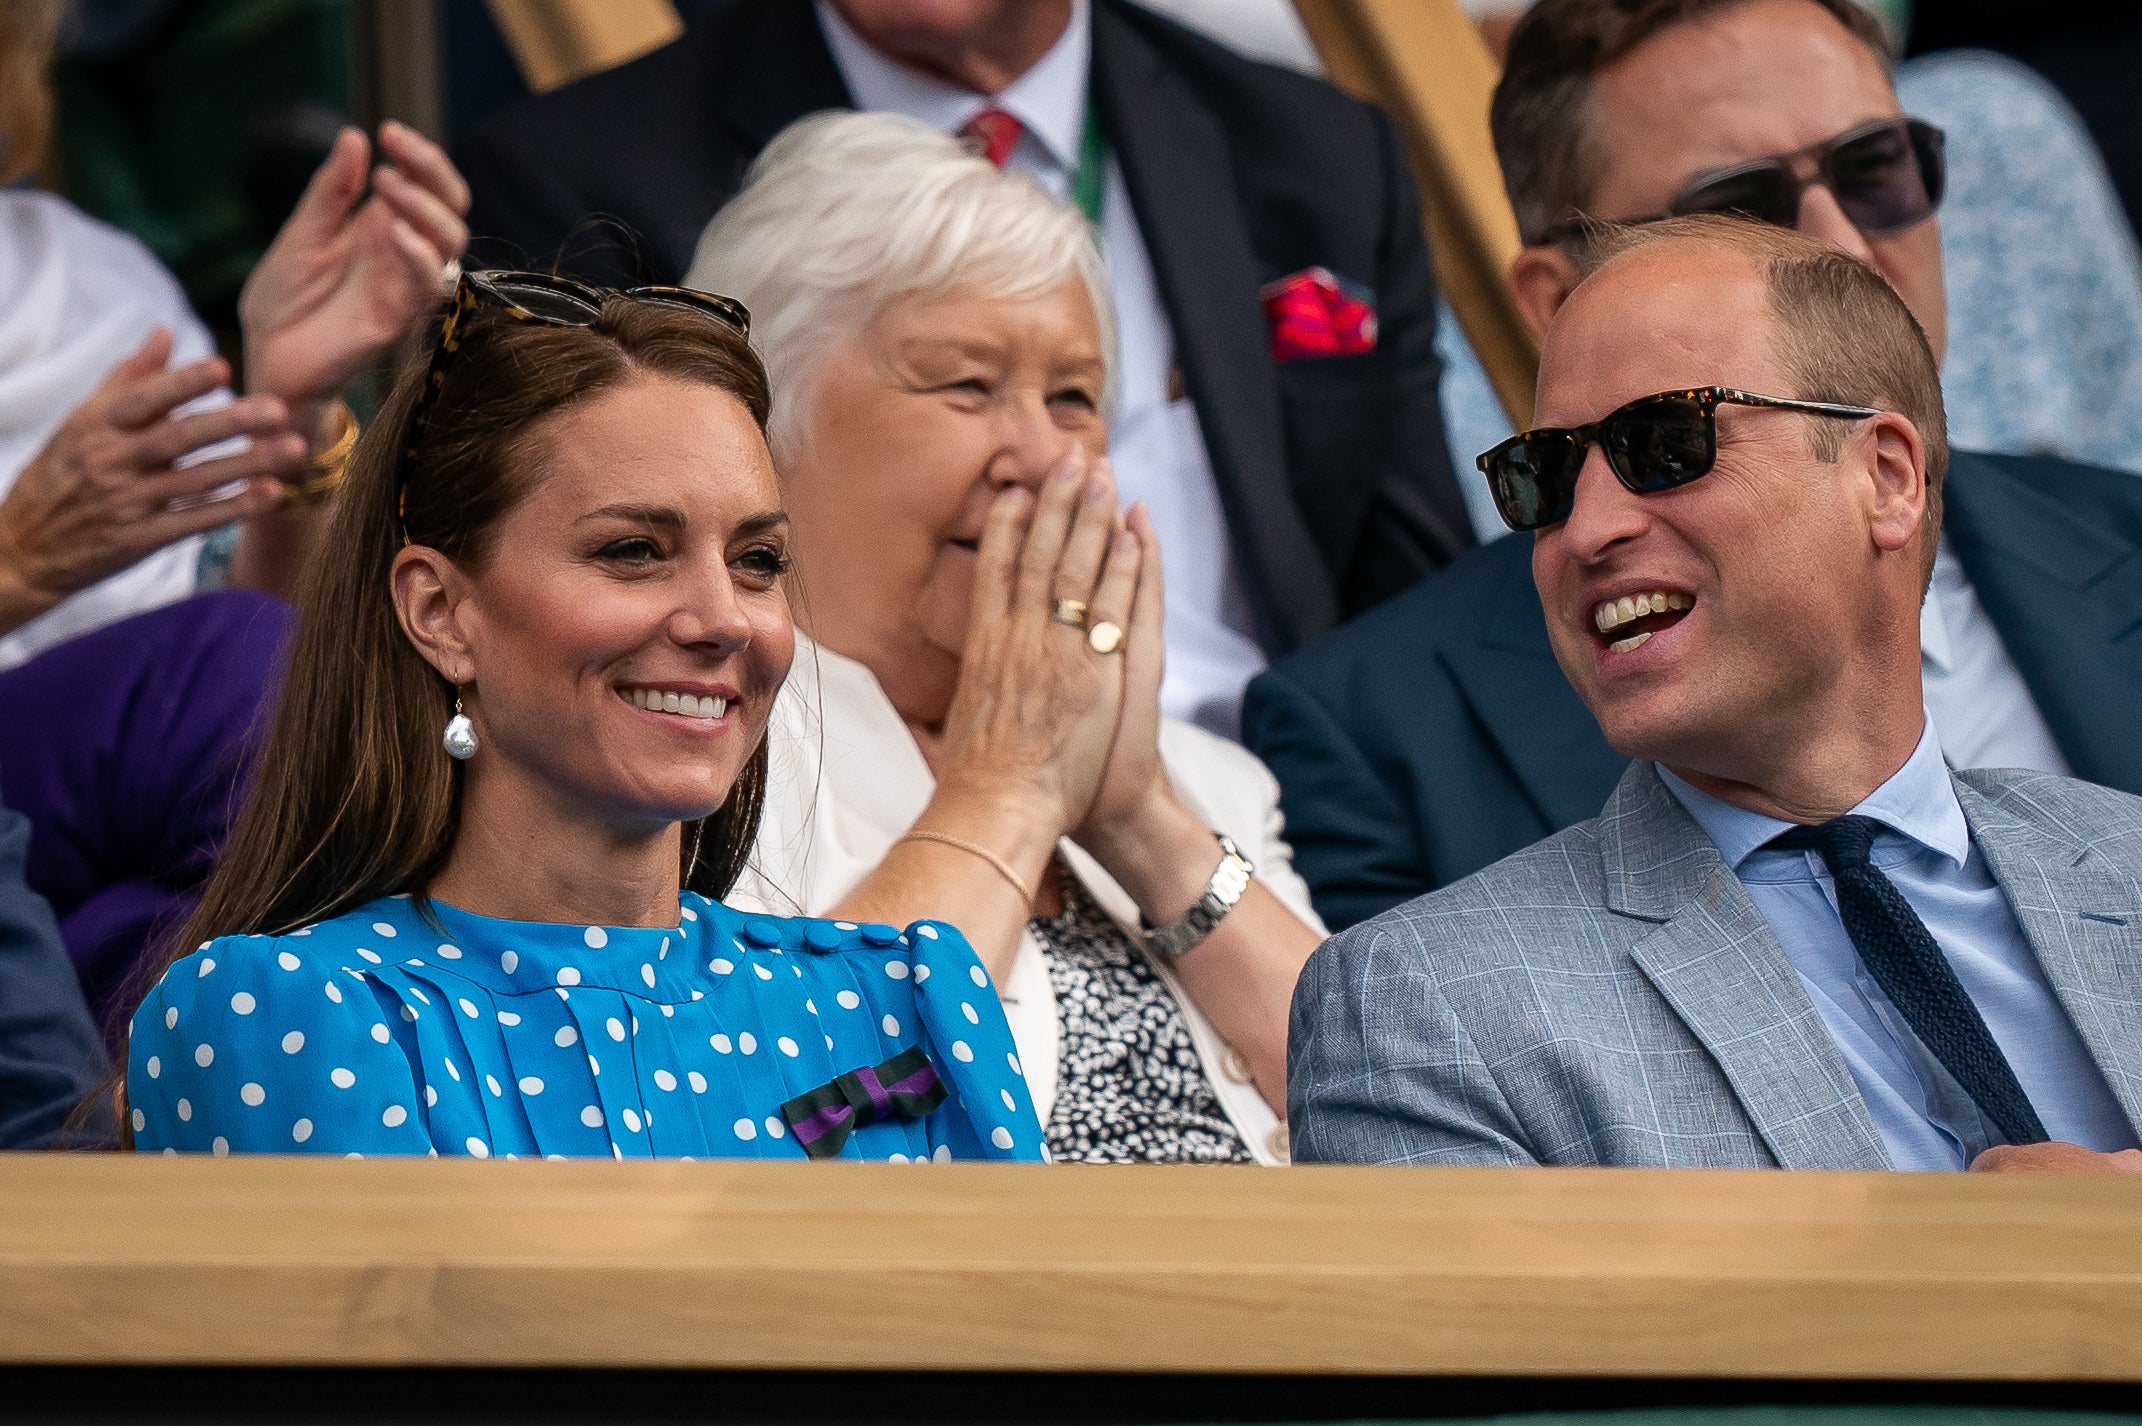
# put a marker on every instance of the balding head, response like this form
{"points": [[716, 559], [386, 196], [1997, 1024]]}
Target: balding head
{"points": [[1789, 576], [1839, 331]]}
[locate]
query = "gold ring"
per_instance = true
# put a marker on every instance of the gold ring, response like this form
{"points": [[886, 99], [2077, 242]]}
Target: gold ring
{"points": [[1071, 612], [1105, 637]]}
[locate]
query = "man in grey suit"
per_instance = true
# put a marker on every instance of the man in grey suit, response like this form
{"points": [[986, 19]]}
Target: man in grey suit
{"points": [[1793, 937]]}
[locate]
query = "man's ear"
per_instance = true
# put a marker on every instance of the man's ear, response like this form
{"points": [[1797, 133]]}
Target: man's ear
{"points": [[1894, 457], [429, 592], [1541, 279]]}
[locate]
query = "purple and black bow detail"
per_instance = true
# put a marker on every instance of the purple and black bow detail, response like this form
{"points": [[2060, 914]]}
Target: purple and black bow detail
{"points": [[904, 1087]]}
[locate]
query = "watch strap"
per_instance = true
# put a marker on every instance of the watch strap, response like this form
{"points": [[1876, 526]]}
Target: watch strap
{"points": [[1229, 880]]}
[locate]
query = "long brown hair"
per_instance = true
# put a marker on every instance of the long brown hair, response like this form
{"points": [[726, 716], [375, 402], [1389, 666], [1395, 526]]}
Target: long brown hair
{"points": [[353, 798]]}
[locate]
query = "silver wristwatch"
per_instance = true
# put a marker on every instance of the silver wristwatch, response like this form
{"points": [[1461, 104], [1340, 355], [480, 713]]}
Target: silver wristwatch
{"points": [[1228, 883]]}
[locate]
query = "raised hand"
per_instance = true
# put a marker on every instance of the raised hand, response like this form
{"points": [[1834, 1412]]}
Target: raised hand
{"points": [[1036, 708], [99, 496], [350, 273], [1133, 785]]}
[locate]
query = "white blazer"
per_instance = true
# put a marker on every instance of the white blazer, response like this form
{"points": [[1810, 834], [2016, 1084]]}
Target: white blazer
{"points": [[846, 780]]}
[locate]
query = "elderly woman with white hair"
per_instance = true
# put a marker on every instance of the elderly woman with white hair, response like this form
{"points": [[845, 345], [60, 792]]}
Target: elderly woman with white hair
{"points": [[972, 730]]}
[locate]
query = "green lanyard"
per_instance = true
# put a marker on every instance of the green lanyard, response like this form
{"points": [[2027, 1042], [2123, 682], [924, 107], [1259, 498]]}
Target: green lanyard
{"points": [[1089, 182]]}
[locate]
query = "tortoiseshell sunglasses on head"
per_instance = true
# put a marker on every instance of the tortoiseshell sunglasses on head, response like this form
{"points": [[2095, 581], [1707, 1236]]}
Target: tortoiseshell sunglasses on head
{"points": [[543, 298], [1653, 443]]}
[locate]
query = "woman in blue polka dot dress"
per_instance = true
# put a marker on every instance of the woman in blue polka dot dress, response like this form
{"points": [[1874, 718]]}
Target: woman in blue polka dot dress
{"points": [[380, 1032], [561, 543]]}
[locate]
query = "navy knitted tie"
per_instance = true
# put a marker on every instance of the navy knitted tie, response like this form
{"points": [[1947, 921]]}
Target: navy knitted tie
{"points": [[1913, 973]]}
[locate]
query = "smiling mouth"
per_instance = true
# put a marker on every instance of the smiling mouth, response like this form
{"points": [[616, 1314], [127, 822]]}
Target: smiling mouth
{"points": [[684, 705], [1627, 624]]}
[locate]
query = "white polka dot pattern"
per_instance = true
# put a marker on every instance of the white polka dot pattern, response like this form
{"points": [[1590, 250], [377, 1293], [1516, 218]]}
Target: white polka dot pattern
{"points": [[406, 1054]]}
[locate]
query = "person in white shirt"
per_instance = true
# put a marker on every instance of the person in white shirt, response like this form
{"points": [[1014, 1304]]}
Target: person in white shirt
{"points": [[972, 730], [1157, 450], [1279, 411], [125, 703]]}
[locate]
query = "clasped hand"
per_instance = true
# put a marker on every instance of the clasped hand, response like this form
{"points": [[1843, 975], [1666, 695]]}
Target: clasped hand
{"points": [[347, 276], [1069, 735], [106, 490]]}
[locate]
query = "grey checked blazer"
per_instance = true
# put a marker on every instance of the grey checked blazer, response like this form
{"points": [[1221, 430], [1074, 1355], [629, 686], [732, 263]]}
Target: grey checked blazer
{"points": [[1612, 996]]}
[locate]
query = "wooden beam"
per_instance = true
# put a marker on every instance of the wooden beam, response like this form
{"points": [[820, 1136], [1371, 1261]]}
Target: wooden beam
{"points": [[395, 71], [558, 41], [1424, 62], [110, 1260]]}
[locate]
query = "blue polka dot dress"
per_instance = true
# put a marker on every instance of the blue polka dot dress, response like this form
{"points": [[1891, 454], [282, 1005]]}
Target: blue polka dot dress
{"points": [[728, 1036]]}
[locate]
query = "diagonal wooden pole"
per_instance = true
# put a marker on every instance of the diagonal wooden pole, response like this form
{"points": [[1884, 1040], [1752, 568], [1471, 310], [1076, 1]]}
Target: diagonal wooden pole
{"points": [[1424, 62]]}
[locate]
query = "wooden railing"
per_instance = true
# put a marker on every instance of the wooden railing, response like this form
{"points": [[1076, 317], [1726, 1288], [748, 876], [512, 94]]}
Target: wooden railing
{"points": [[116, 1260]]}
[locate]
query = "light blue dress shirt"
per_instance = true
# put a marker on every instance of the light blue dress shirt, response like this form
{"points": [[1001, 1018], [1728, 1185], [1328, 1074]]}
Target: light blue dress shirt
{"points": [[1925, 1119]]}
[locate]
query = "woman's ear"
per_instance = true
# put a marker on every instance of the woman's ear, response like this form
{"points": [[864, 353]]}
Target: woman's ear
{"points": [[1541, 279], [1894, 457], [429, 592]]}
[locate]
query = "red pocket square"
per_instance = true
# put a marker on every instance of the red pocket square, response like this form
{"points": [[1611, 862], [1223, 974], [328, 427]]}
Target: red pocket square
{"points": [[1316, 313]]}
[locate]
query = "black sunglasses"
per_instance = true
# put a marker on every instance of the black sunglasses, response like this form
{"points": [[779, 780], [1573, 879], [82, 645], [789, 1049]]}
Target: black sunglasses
{"points": [[1886, 176], [1652, 444], [543, 298]]}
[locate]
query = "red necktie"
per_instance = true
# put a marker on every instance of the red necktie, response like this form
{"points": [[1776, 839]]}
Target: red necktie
{"points": [[996, 131]]}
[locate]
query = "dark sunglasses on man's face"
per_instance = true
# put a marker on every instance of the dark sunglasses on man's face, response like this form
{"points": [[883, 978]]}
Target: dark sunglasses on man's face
{"points": [[1652, 444], [1886, 176]]}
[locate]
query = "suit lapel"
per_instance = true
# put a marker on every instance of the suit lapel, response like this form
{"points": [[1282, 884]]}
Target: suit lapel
{"points": [[2066, 597], [1532, 715], [1716, 961], [763, 99], [1177, 166], [2085, 926]]}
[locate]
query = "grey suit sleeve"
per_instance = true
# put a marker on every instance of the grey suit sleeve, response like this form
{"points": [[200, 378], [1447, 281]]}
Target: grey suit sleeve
{"points": [[50, 1055], [1379, 1068]]}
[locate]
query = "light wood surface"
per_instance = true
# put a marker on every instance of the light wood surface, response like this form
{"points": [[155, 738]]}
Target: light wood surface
{"points": [[1425, 63], [116, 1259], [558, 41]]}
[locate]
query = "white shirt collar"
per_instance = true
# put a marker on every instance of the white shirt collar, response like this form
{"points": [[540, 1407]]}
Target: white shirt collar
{"points": [[1918, 801], [1049, 100], [1936, 650]]}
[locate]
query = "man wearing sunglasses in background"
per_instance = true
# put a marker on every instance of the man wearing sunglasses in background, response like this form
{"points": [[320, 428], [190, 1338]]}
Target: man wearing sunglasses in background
{"points": [[1793, 936], [1436, 734]]}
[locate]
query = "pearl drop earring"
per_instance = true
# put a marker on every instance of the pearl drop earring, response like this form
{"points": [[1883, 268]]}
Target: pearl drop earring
{"points": [[460, 736]]}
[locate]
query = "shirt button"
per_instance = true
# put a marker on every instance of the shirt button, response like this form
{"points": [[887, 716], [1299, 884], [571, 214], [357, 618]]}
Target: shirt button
{"points": [[823, 936], [1234, 1066], [1277, 1142], [877, 933], [762, 932]]}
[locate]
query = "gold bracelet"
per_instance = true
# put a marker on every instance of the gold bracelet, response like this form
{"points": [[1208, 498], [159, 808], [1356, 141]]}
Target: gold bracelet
{"points": [[1004, 868], [324, 473]]}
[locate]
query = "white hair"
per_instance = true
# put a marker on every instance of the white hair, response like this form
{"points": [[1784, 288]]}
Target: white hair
{"points": [[844, 212]]}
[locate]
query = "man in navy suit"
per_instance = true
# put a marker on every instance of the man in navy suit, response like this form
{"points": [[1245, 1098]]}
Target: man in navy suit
{"points": [[1437, 735], [1279, 410], [49, 1052]]}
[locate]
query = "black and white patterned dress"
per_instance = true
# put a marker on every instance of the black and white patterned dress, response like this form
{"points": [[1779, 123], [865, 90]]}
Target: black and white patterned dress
{"points": [[1130, 1087]]}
